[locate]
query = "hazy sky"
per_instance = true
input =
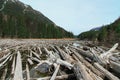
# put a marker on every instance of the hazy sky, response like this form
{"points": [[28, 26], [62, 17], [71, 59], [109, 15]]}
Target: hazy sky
{"points": [[78, 15]]}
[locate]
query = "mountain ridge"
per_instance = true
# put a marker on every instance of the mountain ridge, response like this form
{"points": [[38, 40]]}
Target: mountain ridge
{"points": [[107, 33], [18, 20]]}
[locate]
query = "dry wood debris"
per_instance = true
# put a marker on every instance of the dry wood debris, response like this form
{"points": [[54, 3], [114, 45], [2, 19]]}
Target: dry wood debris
{"points": [[35, 59]]}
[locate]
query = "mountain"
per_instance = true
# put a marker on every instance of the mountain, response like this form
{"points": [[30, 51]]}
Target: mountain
{"points": [[18, 20], [108, 33], [96, 29]]}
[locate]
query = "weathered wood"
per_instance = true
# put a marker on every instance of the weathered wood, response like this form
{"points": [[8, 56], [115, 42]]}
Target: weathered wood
{"points": [[94, 76], [67, 50], [64, 63], [18, 70], [82, 70], [27, 71], [106, 72], [13, 66], [30, 61], [97, 58], [67, 57], [57, 60], [87, 64], [80, 59], [36, 54], [1, 64], [33, 58], [60, 52], [83, 53], [55, 52], [55, 73], [77, 72], [107, 54], [115, 66], [40, 52]]}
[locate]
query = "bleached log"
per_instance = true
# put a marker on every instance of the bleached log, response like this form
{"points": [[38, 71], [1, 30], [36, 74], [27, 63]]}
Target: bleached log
{"points": [[40, 52], [87, 64], [56, 53], [67, 57], [36, 54], [83, 53], [27, 72], [60, 53], [49, 53], [57, 60], [55, 73], [30, 61], [1, 64], [97, 58], [82, 70], [107, 54], [54, 48], [106, 72], [67, 50], [33, 58], [18, 70], [65, 63], [31, 55], [13, 66], [94, 76]]}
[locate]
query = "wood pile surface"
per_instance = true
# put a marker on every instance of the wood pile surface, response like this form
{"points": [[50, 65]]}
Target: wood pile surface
{"points": [[57, 59]]}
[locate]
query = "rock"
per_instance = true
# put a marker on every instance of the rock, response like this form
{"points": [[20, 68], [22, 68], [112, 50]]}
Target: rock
{"points": [[43, 68]]}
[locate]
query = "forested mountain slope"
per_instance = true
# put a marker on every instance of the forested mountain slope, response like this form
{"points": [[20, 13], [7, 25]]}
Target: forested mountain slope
{"points": [[108, 33], [18, 20]]}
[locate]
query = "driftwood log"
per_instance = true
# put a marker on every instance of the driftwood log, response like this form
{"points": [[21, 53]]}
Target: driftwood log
{"points": [[57, 60]]}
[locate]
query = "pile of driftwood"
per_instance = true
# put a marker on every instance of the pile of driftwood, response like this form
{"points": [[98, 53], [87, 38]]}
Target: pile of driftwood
{"points": [[58, 60]]}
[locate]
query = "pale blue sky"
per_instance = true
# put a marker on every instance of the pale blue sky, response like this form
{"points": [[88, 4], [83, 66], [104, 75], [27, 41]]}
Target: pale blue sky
{"points": [[78, 15]]}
